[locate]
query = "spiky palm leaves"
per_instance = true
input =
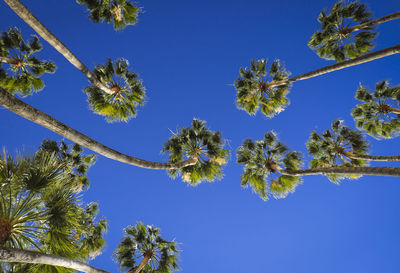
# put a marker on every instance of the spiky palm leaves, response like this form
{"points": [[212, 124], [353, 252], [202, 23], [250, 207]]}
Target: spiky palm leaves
{"points": [[335, 147], [200, 144], [377, 115], [264, 160], [120, 12], [255, 90], [24, 69], [145, 244], [336, 39], [127, 88]]}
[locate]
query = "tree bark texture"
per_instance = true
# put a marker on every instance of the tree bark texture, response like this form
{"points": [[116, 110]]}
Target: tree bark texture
{"points": [[141, 265], [382, 171]]}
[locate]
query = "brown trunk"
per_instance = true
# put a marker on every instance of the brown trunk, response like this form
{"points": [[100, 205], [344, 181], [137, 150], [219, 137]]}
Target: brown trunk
{"points": [[34, 23], [8, 60], [382, 171], [330, 68], [5, 231], [381, 20], [372, 157], [394, 110], [25, 110], [145, 260]]}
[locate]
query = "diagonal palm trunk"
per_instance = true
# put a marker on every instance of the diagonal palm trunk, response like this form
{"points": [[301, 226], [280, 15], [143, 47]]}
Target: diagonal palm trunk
{"points": [[141, 265], [372, 157], [33, 22], [378, 21], [330, 68], [381, 171], [25, 110], [11, 255]]}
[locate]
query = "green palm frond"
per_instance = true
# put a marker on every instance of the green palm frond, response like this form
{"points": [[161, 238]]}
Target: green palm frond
{"points": [[142, 241], [262, 161], [127, 88], [377, 115], [120, 13], [199, 143], [254, 91], [335, 41], [22, 75], [332, 149]]}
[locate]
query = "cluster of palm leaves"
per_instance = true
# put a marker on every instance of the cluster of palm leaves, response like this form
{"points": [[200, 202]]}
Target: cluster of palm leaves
{"points": [[144, 243], [120, 12], [20, 69], [127, 88], [202, 145], [336, 40], [377, 115], [255, 89], [40, 210]]}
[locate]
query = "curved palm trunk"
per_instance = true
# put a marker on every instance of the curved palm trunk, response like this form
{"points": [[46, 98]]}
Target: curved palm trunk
{"points": [[24, 110], [394, 110], [372, 157], [381, 171], [7, 60], [330, 68], [34, 23], [11, 255], [141, 265], [381, 20]]}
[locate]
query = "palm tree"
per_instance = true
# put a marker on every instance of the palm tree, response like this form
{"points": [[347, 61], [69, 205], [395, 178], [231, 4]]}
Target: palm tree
{"points": [[336, 39], [263, 160], [128, 91], [24, 68], [145, 243], [120, 12], [254, 91], [24, 110], [270, 105], [377, 115], [202, 145]]}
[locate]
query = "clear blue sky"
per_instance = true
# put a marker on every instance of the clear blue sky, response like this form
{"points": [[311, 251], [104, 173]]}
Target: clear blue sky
{"points": [[188, 54]]}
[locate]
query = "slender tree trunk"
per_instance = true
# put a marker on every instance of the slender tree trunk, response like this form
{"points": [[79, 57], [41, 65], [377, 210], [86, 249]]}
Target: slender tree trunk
{"points": [[330, 68], [381, 20], [372, 157], [34, 23], [7, 60], [12, 255], [145, 260], [394, 110], [25, 110], [382, 171]]}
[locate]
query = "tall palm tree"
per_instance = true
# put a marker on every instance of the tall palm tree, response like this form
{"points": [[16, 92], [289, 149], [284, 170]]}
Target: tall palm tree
{"points": [[202, 145], [263, 160], [128, 91], [145, 243], [377, 115], [337, 39], [120, 12], [24, 69], [24, 110], [254, 91], [270, 104]]}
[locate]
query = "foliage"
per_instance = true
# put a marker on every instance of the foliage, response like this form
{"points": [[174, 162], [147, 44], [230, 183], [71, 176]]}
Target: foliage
{"points": [[140, 242], [335, 40], [199, 143], [24, 68], [264, 159], [375, 115], [120, 12], [255, 90], [331, 148], [128, 91]]}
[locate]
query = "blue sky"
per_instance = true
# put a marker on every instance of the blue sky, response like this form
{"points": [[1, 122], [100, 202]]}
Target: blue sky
{"points": [[188, 54]]}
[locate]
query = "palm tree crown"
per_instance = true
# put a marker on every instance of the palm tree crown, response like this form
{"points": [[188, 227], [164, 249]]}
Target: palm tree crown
{"points": [[128, 91], [120, 12], [265, 159], [201, 144], [376, 114], [254, 91], [335, 40], [24, 69], [145, 243], [334, 146]]}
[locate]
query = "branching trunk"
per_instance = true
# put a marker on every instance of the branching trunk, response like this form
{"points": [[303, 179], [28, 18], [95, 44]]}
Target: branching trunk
{"points": [[372, 157], [34, 23], [11, 255], [330, 68], [141, 265], [381, 171], [24, 110], [381, 20]]}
